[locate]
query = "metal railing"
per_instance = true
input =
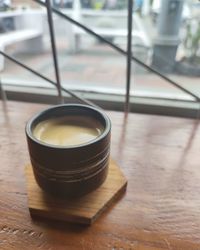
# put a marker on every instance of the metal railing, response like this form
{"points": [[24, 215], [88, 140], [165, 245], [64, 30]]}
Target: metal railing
{"points": [[127, 53]]}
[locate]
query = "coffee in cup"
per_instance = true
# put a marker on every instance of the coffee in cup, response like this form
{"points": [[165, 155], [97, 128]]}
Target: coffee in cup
{"points": [[68, 130]]}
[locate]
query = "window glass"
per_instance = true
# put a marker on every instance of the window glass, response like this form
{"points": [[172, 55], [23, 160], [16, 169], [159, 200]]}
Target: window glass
{"points": [[165, 36]]}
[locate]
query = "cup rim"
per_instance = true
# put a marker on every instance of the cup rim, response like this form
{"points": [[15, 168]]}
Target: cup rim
{"points": [[29, 133]]}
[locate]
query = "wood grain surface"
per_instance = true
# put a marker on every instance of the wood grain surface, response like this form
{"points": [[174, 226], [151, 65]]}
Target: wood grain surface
{"points": [[82, 210], [161, 207]]}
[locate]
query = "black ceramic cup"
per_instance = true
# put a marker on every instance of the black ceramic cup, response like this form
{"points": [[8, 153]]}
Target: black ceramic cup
{"points": [[70, 171]]}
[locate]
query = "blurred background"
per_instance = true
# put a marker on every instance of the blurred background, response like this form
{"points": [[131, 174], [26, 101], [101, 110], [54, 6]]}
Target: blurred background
{"points": [[165, 36]]}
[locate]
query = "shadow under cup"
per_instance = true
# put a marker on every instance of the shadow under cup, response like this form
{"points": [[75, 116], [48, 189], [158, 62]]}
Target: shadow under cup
{"points": [[70, 171]]}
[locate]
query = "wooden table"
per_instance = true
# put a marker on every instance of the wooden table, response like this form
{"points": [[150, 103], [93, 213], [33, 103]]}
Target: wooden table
{"points": [[160, 210]]}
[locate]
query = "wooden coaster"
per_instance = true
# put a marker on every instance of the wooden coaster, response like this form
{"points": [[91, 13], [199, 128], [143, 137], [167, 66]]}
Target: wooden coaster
{"points": [[83, 210]]}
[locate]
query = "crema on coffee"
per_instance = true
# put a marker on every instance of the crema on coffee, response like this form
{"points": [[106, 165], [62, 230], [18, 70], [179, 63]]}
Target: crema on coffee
{"points": [[68, 130]]}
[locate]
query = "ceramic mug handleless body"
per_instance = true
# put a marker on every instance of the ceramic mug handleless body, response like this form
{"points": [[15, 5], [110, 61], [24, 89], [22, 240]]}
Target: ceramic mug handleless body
{"points": [[69, 148]]}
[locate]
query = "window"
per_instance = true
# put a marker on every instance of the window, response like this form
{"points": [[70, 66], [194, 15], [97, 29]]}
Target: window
{"points": [[95, 70]]}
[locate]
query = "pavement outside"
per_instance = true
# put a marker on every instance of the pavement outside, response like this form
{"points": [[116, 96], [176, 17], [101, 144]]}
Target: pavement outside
{"points": [[96, 67]]}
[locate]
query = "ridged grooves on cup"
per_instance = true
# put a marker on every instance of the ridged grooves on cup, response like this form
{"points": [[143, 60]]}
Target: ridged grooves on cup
{"points": [[72, 178], [72, 189], [69, 175], [75, 170]]}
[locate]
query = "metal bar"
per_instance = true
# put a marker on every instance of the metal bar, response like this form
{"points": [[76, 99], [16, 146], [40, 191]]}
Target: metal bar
{"points": [[2, 91], [48, 80], [121, 51], [129, 54], [53, 47]]}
